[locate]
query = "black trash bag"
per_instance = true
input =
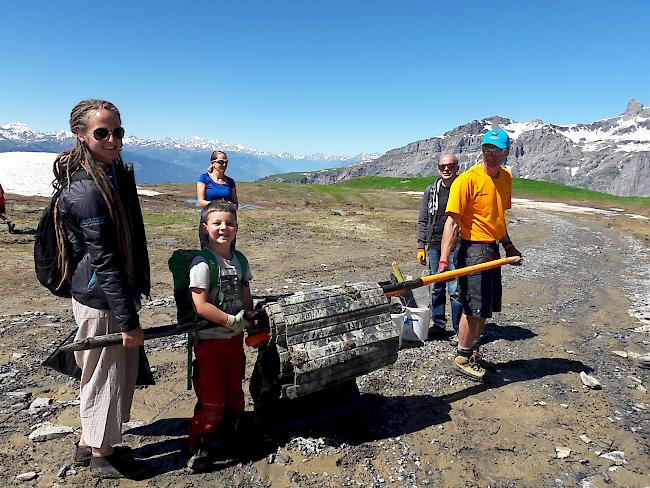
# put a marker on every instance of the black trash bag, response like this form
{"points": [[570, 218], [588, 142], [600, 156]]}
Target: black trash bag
{"points": [[63, 361]]}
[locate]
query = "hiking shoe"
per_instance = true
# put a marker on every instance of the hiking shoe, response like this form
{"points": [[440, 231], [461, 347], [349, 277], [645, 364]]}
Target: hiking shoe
{"points": [[117, 466], [469, 367], [82, 455], [437, 333], [200, 461], [453, 340]]}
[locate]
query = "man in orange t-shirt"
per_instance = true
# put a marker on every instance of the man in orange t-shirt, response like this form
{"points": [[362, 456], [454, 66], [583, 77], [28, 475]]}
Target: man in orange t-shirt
{"points": [[478, 199]]}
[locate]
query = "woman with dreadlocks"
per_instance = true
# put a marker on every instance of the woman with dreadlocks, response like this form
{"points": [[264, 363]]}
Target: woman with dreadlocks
{"points": [[100, 234]]}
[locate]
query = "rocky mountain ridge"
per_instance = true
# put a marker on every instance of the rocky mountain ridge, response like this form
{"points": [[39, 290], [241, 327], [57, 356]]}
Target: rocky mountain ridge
{"points": [[610, 155], [177, 160]]}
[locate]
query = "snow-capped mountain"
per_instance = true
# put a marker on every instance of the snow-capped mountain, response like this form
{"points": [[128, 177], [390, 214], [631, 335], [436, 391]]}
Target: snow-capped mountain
{"points": [[176, 160], [610, 155]]}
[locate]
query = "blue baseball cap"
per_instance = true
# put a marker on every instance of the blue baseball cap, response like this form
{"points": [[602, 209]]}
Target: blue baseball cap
{"points": [[497, 137]]}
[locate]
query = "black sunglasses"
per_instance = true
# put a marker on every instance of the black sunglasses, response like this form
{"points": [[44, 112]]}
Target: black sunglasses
{"points": [[493, 150], [220, 161], [102, 133], [443, 167]]}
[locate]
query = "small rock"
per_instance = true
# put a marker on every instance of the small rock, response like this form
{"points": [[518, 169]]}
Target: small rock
{"points": [[623, 354], [617, 456], [63, 470], [587, 484], [590, 381], [585, 439], [641, 388], [39, 405], [133, 424], [279, 459], [18, 355], [562, 452], [17, 407], [47, 431], [644, 361], [29, 475], [23, 395]]}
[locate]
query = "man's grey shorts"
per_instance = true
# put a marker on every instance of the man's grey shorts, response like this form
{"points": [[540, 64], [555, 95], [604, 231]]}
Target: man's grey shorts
{"points": [[480, 293]]}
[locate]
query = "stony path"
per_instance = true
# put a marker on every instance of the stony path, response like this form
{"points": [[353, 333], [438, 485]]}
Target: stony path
{"points": [[581, 294]]}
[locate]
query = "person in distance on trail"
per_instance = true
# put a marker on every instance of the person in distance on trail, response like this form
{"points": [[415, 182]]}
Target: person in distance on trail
{"points": [[100, 234], [3, 210], [431, 222], [215, 185], [476, 208], [219, 350]]}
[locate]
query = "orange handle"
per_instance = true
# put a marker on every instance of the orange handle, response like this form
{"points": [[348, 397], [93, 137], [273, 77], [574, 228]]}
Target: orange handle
{"points": [[258, 338], [450, 275], [475, 268]]}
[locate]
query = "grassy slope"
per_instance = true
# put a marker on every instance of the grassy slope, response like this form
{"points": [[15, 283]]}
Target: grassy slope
{"points": [[522, 188]]}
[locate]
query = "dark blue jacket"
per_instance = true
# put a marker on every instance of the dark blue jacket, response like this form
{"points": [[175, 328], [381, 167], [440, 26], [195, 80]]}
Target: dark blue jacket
{"points": [[99, 279]]}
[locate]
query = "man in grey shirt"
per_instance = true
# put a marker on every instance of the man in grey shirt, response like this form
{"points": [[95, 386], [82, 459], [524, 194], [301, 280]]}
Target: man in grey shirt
{"points": [[431, 222]]}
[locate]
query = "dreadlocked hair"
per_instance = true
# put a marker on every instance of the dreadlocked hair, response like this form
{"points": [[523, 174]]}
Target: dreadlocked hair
{"points": [[80, 158]]}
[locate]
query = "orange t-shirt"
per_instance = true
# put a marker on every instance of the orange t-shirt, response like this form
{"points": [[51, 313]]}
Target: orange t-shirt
{"points": [[481, 202]]}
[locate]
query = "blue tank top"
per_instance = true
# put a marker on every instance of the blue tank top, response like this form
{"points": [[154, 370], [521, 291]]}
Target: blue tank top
{"points": [[215, 191]]}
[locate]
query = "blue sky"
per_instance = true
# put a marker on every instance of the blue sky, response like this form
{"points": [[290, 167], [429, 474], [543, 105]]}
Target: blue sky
{"points": [[340, 77]]}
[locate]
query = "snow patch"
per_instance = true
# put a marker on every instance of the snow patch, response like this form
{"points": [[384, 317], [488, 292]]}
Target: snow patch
{"points": [[515, 129], [30, 173], [27, 173]]}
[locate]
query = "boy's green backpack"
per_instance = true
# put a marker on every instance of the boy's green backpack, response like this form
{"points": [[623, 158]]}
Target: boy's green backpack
{"points": [[180, 263]]}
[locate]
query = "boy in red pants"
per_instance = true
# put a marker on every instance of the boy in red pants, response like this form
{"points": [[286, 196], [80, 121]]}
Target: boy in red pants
{"points": [[219, 351], [9, 223]]}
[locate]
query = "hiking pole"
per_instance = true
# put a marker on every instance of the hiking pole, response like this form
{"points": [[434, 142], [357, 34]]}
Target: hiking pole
{"points": [[151, 333], [399, 288]]}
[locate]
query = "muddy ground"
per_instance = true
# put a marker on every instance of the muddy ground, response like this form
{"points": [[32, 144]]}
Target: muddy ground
{"points": [[581, 294]]}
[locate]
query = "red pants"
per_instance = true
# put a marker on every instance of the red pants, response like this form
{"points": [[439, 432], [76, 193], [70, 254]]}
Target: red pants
{"points": [[217, 383]]}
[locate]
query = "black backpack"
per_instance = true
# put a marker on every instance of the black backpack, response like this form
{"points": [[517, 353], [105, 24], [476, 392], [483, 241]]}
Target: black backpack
{"points": [[46, 251]]}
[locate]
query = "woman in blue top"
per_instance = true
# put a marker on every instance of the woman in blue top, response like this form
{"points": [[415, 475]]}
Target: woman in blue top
{"points": [[215, 185]]}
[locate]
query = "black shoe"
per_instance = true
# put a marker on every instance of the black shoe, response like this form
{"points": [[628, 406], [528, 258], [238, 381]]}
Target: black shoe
{"points": [[117, 466], [437, 333], [82, 455], [200, 461], [11, 226]]}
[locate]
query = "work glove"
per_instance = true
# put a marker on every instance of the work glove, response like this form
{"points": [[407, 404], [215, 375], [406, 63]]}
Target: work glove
{"points": [[443, 266], [422, 257], [511, 250], [237, 323]]}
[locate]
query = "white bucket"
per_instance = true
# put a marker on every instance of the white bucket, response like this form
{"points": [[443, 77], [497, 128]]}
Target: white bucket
{"points": [[416, 324]]}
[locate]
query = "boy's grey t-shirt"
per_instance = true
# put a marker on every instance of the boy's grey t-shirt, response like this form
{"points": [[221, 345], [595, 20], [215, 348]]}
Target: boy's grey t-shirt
{"points": [[231, 279]]}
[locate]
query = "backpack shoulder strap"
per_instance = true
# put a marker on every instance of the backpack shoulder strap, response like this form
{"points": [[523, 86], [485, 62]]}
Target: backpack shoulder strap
{"points": [[242, 261], [213, 264]]}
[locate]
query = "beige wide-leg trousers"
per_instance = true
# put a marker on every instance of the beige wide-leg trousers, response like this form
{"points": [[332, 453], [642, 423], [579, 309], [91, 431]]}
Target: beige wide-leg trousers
{"points": [[108, 378]]}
